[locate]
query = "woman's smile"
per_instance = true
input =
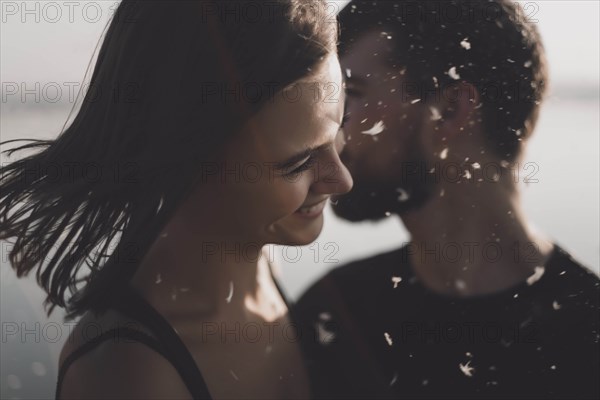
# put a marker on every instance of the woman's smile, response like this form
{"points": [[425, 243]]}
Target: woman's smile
{"points": [[312, 210]]}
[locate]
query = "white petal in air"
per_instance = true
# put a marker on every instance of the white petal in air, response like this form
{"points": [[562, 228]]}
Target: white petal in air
{"points": [[324, 336], [403, 195], [453, 74], [555, 305], [230, 295], [435, 114], [444, 154], [375, 130], [467, 369], [465, 44], [348, 73], [539, 271], [394, 379], [388, 338], [396, 280], [415, 101], [325, 316]]}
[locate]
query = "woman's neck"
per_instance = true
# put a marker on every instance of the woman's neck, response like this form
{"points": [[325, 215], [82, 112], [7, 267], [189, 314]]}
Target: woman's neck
{"points": [[193, 276]]}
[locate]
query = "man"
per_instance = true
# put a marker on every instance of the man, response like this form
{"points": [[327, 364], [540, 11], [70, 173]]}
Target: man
{"points": [[443, 97]]}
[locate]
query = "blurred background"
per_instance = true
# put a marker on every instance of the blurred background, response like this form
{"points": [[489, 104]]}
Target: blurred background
{"points": [[45, 48]]}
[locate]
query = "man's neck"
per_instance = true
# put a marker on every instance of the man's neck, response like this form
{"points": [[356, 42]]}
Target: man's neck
{"points": [[474, 240]]}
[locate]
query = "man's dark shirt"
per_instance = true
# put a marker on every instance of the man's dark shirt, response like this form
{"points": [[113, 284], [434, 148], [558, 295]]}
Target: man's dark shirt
{"points": [[369, 339]]}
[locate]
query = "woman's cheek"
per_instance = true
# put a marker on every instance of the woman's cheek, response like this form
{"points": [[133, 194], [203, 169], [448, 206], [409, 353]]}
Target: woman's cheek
{"points": [[293, 191]]}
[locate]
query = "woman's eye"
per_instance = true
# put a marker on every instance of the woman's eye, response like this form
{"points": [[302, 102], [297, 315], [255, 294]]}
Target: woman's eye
{"points": [[306, 165]]}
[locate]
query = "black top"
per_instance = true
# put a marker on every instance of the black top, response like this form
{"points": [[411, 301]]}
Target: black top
{"points": [[372, 340], [169, 344]]}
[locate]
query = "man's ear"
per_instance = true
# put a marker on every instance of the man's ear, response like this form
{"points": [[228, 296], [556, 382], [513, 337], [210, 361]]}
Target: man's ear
{"points": [[458, 105]]}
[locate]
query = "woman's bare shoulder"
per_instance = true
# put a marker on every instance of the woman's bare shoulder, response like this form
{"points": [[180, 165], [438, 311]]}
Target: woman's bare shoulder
{"points": [[123, 369]]}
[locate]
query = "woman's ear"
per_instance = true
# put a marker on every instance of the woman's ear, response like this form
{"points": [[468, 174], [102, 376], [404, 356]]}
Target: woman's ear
{"points": [[457, 107]]}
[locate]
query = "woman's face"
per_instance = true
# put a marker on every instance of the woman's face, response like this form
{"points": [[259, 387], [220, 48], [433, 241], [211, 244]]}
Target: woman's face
{"points": [[280, 171]]}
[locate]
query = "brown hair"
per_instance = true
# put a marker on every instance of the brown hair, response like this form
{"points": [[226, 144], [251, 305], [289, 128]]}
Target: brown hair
{"points": [[490, 44], [101, 192]]}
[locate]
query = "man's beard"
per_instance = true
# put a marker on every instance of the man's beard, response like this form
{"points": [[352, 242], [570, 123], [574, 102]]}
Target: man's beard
{"points": [[374, 199]]}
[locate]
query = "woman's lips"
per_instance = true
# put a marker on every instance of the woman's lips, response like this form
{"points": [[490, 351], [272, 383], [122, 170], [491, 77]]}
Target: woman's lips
{"points": [[312, 211]]}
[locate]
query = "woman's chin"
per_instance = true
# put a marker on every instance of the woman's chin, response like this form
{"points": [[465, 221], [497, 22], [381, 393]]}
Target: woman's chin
{"points": [[300, 231]]}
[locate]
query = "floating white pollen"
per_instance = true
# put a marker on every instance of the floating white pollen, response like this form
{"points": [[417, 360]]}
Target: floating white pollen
{"points": [[403, 194], [375, 130], [325, 316], [537, 274], [234, 375], [467, 369], [324, 336], [348, 73], [415, 101], [435, 114], [453, 74], [444, 154], [388, 338], [230, 295], [396, 280], [555, 305], [465, 44]]}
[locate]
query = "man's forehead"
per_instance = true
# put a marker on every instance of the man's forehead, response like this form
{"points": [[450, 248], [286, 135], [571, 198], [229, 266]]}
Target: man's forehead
{"points": [[368, 49]]}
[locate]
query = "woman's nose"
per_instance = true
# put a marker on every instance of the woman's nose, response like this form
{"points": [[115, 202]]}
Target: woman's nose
{"points": [[333, 177]]}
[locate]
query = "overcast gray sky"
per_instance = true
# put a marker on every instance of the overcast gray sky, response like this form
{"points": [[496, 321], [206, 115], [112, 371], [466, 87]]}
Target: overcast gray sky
{"points": [[52, 41]]}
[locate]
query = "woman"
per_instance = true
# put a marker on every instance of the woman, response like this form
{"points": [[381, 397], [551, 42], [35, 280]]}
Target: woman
{"points": [[210, 130]]}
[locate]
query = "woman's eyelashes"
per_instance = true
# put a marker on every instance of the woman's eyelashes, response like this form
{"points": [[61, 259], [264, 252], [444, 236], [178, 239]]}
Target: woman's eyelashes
{"points": [[310, 161]]}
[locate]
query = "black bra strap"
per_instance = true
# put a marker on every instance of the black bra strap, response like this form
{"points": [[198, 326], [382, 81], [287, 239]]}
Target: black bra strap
{"points": [[133, 305], [116, 334]]}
